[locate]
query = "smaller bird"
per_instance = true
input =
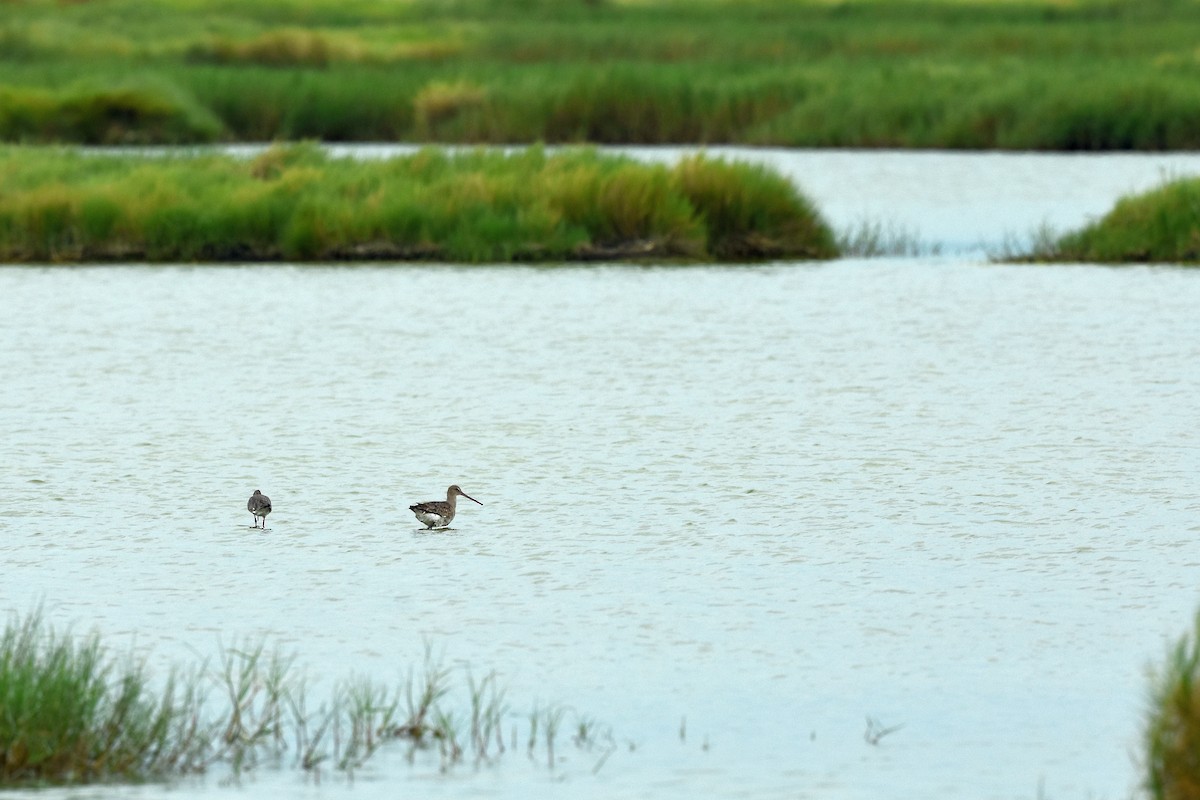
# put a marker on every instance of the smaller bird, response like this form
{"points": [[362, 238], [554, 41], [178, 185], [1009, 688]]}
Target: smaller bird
{"points": [[438, 513], [259, 505]]}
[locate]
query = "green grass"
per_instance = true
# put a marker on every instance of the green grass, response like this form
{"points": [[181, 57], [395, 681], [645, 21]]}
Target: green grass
{"points": [[101, 113], [71, 713], [1172, 733], [1019, 74], [298, 204], [1162, 225]]}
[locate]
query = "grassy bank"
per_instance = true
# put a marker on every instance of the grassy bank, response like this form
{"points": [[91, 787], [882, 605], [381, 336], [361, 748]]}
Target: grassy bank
{"points": [[1030, 74], [1161, 226], [298, 204], [72, 712]]}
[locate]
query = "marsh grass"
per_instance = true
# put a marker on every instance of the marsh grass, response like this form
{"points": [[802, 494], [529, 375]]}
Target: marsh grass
{"points": [[1172, 732], [1039, 244], [1162, 225], [875, 239], [748, 212], [551, 720], [1041, 74], [439, 104], [71, 712], [282, 47], [256, 687], [296, 203], [120, 113], [488, 710]]}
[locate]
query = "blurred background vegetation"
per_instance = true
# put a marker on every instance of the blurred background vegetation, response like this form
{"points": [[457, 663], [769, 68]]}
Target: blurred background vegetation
{"points": [[1054, 75]]}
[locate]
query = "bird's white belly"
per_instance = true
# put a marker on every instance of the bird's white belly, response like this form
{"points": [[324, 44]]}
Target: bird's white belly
{"points": [[431, 519]]}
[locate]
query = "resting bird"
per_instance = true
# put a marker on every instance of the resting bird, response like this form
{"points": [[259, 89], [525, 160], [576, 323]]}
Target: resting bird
{"points": [[438, 513], [259, 505]]}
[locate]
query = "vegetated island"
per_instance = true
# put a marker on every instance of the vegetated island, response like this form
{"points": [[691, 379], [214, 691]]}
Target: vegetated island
{"points": [[297, 203], [984, 74], [1160, 226]]}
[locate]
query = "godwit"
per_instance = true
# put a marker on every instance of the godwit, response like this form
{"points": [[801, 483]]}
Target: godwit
{"points": [[259, 505], [438, 513]]}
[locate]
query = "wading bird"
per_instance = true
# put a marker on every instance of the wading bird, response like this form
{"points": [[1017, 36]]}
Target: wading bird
{"points": [[259, 505], [438, 513]]}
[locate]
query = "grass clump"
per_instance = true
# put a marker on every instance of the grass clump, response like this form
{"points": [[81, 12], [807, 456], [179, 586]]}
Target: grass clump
{"points": [[130, 113], [750, 212], [1172, 734], [1162, 225], [70, 713], [297, 203]]}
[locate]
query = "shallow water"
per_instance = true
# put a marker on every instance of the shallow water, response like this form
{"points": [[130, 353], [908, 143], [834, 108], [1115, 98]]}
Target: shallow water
{"points": [[774, 501]]}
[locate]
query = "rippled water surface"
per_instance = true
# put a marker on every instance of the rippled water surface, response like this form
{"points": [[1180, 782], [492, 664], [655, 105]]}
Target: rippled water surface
{"points": [[774, 501]]}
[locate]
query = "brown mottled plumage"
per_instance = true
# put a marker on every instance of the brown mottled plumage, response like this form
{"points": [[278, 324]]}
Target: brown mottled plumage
{"points": [[438, 513]]}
